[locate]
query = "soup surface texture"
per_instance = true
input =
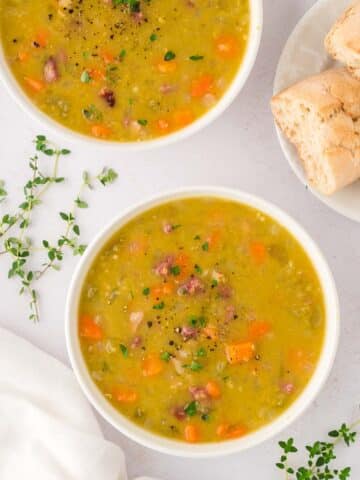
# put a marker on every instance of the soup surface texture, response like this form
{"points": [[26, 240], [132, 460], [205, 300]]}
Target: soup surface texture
{"points": [[201, 320], [124, 70]]}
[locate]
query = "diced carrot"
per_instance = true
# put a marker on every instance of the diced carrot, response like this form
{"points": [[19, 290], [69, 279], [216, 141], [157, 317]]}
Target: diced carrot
{"points": [[201, 86], [162, 126], [89, 329], [224, 430], [166, 67], [34, 84], [152, 365], [191, 433], [213, 389], [42, 38], [125, 395], [183, 261], [23, 55], [214, 238], [97, 74], [163, 289], [227, 46], [239, 352], [107, 56], [258, 329], [210, 332], [100, 131], [183, 117], [258, 252]]}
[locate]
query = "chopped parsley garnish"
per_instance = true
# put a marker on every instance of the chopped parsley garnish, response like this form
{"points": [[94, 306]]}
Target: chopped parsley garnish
{"points": [[205, 246], [153, 37], [85, 77], [201, 352], [205, 417], [197, 268], [142, 122], [124, 350], [174, 227], [214, 283], [175, 270], [200, 321], [92, 113], [166, 356], [134, 5], [195, 366], [191, 409], [196, 57], [122, 54], [169, 55], [146, 291], [159, 306]]}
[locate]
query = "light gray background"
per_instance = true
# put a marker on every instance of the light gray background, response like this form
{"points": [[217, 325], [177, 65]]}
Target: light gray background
{"points": [[239, 150]]}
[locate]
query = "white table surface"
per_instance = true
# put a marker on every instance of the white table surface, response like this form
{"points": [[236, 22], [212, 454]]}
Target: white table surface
{"points": [[239, 150]]}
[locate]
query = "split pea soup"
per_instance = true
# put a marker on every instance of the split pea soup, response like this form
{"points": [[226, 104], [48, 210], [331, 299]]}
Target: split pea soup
{"points": [[124, 70], [201, 320]]}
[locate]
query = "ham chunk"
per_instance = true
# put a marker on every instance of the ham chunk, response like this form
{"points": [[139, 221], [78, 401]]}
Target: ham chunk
{"points": [[198, 393], [163, 267], [192, 286], [51, 73]]}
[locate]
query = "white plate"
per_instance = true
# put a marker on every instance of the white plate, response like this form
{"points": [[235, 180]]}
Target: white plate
{"points": [[304, 55]]}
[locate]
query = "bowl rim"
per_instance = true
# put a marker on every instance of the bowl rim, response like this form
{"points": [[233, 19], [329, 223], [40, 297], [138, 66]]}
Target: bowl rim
{"points": [[215, 449], [22, 99]]}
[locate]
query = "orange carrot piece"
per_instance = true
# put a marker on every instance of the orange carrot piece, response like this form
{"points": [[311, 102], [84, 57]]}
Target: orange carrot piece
{"points": [[152, 365], [23, 55], [89, 329], [34, 84], [258, 252], [191, 433], [161, 290], [214, 238], [100, 131], [227, 46], [224, 430], [97, 74], [258, 329], [125, 395], [162, 126], [42, 38], [166, 67], [239, 352], [108, 57], [213, 389], [210, 332], [183, 117], [201, 86]]}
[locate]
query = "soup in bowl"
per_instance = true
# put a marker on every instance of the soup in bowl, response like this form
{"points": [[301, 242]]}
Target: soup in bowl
{"points": [[129, 70], [202, 322]]}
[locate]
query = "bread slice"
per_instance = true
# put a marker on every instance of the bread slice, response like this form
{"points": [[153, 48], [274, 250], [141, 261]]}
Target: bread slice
{"points": [[343, 40], [321, 116]]}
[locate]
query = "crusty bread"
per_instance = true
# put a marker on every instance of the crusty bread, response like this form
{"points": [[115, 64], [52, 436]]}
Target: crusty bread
{"points": [[321, 116], [343, 40]]}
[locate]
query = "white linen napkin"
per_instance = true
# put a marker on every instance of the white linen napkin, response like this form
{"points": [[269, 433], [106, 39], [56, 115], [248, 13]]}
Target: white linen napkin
{"points": [[48, 430]]}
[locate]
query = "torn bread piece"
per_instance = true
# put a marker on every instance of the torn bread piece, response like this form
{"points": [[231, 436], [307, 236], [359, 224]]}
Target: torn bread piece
{"points": [[343, 40], [321, 116]]}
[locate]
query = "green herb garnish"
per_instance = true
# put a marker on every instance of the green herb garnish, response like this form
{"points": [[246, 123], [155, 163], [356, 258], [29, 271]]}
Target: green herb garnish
{"points": [[198, 269], [175, 270], [153, 37], [196, 57], [169, 55], [191, 409], [146, 291], [142, 122], [195, 366], [159, 306], [124, 350], [201, 352], [166, 356], [85, 77], [205, 246], [107, 176]]}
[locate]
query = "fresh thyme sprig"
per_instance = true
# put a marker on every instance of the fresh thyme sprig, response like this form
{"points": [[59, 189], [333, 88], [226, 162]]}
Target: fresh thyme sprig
{"points": [[18, 247], [321, 455]]}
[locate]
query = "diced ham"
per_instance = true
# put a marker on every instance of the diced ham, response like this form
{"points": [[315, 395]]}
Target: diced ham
{"points": [[135, 319], [188, 332], [108, 95], [191, 287], [167, 227], [224, 291], [230, 313], [138, 17], [198, 393], [163, 267], [51, 73], [287, 387], [136, 341], [179, 413], [167, 88]]}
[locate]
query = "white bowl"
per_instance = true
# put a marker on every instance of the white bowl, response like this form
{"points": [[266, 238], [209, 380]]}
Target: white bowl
{"points": [[256, 23], [174, 447]]}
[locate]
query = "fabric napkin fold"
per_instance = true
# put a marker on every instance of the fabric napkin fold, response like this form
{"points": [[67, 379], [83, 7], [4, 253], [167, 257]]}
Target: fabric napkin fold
{"points": [[48, 430]]}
